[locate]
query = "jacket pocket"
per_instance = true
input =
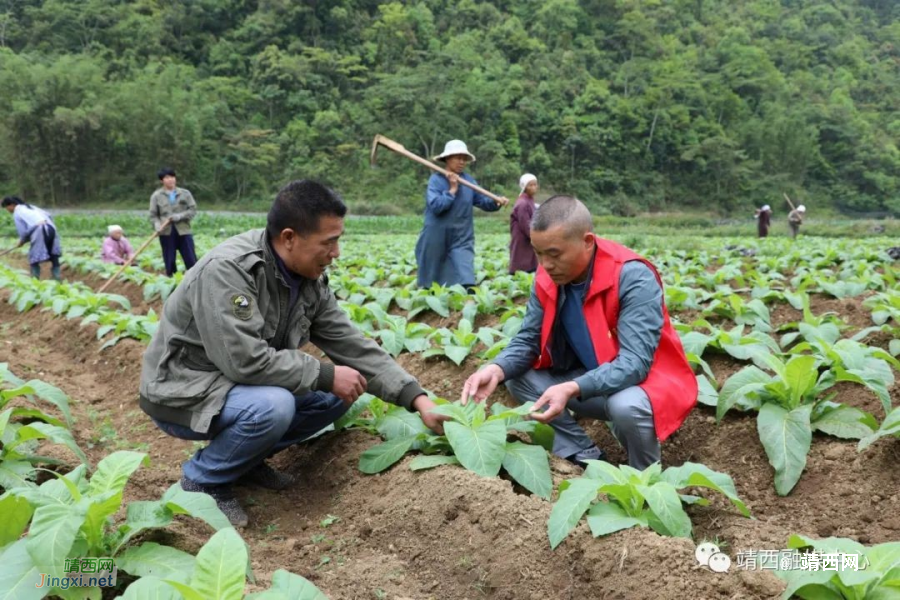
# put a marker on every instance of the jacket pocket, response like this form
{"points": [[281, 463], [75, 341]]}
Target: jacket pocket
{"points": [[195, 358], [299, 332], [185, 378]]}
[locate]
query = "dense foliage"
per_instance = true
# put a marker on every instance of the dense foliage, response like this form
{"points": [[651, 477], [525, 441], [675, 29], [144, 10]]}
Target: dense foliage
{"points": [[632, 104]]}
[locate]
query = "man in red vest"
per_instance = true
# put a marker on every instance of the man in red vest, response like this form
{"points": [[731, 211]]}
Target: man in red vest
{"points": [[596, 340]]}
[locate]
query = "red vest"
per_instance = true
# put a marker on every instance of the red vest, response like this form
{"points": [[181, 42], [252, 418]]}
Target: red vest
{"points": [[671, 384]]}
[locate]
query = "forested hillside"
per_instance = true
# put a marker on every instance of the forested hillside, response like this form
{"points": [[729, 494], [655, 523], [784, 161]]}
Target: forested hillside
{"points": [[632, 104]]}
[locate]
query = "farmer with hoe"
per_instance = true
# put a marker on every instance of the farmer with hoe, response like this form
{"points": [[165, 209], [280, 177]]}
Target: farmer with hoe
{"points": [[521, 254], [445, 251], [596, 340], [225, 364], [795, 219], [36, 226], [178, 206]]}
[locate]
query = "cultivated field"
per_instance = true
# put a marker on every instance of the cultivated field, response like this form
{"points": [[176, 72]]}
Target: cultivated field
{"points": [[793, 343]]}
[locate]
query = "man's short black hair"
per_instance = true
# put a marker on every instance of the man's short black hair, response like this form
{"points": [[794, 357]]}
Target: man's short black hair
{"points": [[300, 204], [165, 172], [568, 211]]}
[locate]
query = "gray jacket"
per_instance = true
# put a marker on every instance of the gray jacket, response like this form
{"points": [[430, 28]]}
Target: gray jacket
{"points": [[228, 323], [181, 212]]}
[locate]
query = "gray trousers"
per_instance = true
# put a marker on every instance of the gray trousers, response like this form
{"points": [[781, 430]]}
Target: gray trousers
{"points": [[628, 411]]}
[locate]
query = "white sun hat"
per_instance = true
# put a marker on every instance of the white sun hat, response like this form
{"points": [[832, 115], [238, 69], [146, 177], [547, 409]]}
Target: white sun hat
{"points": [[454, 147], [766, 207], [801, 208], [113, 228], [525, 179]]}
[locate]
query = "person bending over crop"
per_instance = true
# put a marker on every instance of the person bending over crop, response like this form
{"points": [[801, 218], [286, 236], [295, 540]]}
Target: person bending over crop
{"points": [[596, 341], [116, 249], [35, 225], [795, 219], [225, 366]]}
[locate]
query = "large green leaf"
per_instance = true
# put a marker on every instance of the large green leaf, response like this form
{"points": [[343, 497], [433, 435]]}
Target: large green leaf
{"points": [[453, 410], [152, 559], [664, 501], [847, 575], [751, 349], [695, 342], [30, 414], [196, 504], [7, 376], [739, 387], [812, 585], [53, 395], [871, 378], [573, 502], [220, 568], [147, 514], [19, 575], [380, 457], [101, 507], [150, 588], [392, 342], [435, 304], [4, 420], [479, 448], [401, 423], [51, 535], [800, 377], [355, 410], [187, 592], [707, 393], [605, 472], [57, 491], [884, 557], [696, 475], [456, 353], [54, 433], [293, 587], [843, 421], [16, 513], [605, 518], [114, 471], [890, 426], [529, 466], [540, 433], [786, 437]]}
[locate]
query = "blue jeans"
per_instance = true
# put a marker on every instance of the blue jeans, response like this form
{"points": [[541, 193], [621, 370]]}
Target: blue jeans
{"points": [[255, 423]]}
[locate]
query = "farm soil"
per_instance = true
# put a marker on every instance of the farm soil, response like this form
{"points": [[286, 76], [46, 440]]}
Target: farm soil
{"points": [[447, 533]]}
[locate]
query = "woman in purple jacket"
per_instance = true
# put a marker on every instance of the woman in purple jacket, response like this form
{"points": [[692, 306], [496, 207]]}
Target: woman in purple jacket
{"points": [[116, 248], [521, 254]]}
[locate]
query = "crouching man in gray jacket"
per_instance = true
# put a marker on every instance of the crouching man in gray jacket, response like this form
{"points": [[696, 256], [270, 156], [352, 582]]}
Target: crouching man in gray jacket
{"points": [[224, 365]]}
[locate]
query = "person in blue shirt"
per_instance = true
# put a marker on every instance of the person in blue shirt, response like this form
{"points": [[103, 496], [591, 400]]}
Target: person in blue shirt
{"points": [[445, 251]]}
